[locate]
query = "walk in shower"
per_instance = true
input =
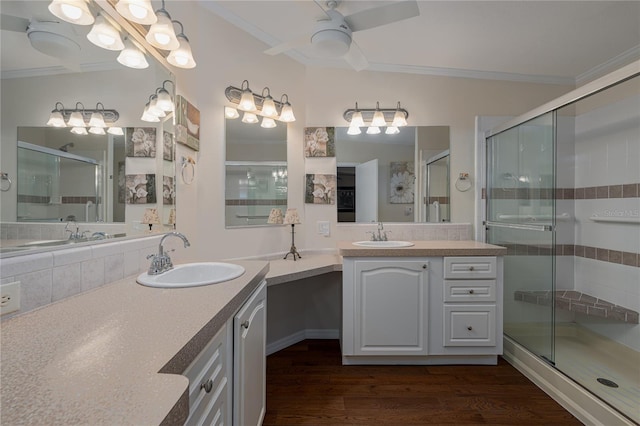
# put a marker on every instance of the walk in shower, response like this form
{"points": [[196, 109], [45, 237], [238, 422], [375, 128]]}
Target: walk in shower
{"points": [[562, 194]]}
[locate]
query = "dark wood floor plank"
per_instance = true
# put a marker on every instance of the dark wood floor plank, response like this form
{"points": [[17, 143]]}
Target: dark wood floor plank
{"points": [[307, 385]]}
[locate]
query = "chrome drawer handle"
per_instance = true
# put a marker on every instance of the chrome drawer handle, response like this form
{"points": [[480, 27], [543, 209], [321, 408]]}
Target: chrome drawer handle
{"points": [[471, 291], [245, 324], [471, 268], [469, 328], [207, 386]]}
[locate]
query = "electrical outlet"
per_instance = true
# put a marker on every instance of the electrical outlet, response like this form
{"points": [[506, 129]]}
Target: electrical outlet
{"points": [[9, 297]]}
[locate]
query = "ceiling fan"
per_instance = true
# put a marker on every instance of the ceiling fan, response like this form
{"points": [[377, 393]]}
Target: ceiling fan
{"points": [[53, 38], [332, 37]]}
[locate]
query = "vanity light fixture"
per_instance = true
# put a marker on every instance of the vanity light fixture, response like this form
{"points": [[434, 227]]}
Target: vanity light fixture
{"points": [[79, 131], [154, 108], [97, 119], [97, 131], [73, 11], [77, 117], [354, 130], [182, 57], [148, 115], [161, 33], [131, 56], [259, 104], [378, 117], [56, 119], [268, 123], [165, 101], [105, 35], [138, 11], [116, 131]]}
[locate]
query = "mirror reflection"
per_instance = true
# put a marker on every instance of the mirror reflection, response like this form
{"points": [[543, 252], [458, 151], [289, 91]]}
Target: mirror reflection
{"points": [[58, 175], [385, 178], [256, 172]]}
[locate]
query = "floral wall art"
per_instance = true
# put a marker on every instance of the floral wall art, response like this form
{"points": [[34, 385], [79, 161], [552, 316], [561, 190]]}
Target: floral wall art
{"points": [[140, 189], [140, 142], [319, 142], [402, 182], [320, 189], [187, 124], [168, 190], [167, 150]]}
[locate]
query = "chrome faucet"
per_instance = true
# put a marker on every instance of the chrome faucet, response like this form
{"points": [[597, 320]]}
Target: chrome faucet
{"points": [[75, 235], [161, 262], [381, 235]]}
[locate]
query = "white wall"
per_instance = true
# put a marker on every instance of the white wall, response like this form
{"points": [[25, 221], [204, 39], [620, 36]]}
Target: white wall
{"points": [[227, 56]]}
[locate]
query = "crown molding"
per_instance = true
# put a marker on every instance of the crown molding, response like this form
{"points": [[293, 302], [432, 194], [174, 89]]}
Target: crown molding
{"points": [[612, 64]]}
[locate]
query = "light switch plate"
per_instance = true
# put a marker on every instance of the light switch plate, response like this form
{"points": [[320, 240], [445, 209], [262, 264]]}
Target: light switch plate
{"points": [[9, 297], [324, 228]]}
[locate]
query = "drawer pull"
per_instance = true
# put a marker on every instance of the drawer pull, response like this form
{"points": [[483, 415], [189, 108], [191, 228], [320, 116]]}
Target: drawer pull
{"points": [[471, 292], [207, 386], [469, 328], [471, 268], [424, 266], [245, 324]]}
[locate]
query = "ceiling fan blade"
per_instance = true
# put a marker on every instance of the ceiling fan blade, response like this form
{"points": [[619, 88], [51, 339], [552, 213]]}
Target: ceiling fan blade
{"points": [[382, 15], [355, 57], [13, 23], [288, 45]]}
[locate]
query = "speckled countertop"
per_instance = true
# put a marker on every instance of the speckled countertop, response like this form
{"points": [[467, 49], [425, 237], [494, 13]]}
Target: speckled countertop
{"points": [[98, 358], [425, 248]]}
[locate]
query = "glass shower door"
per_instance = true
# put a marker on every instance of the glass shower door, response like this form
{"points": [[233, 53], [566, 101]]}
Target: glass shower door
{"points": [[520, 216]]}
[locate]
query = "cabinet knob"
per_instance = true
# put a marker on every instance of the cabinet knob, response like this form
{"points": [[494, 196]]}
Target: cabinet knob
{"points": [[469, 328], [471, 291], [245, 324], [424, 266], [207, 386], [471, 268]]}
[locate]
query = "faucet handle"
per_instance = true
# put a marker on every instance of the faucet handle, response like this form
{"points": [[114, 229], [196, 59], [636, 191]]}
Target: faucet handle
{"points": [[152, 255]]}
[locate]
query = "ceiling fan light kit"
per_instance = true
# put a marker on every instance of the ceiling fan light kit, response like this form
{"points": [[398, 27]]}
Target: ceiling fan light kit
{"points": [[377, 117], [253, 105], [53, 39]]}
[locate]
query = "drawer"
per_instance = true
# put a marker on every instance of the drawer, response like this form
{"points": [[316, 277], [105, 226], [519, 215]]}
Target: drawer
{"points": [[207, 371], [470, 325], [469, 290], [212, 410], [470, 267]]}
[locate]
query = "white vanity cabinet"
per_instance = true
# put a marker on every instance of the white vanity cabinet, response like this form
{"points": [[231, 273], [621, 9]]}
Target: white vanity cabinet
{"points": [[386, 303], [227, 380]]}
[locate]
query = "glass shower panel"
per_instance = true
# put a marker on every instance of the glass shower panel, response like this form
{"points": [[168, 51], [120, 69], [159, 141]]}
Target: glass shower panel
{"points": [[520, 216], [438, 197]]}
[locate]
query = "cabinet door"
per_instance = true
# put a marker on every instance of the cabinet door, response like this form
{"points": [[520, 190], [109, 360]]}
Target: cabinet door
{"points": [[249, 356], [391, 300]]}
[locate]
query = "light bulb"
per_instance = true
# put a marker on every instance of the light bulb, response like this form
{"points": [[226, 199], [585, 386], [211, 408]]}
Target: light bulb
{"points": [[132, 57], [249, 117], [73, 11], [104, 35], [269, 107], [247, 102], [373, 130], [399, 120], [76, 119], [161, 34], [182, 56], [138, 11], [97, 120], [354, 130]]}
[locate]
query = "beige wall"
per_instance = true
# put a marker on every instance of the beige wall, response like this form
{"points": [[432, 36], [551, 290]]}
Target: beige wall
{"points": [[226, 56]]}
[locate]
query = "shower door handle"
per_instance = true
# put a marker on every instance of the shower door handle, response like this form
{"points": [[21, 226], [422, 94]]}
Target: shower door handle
{"points": [[544, 228]]}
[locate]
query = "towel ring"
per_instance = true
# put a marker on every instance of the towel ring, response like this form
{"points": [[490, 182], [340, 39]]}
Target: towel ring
{"points": [[463, 183], [188, 170], [4, 177]]}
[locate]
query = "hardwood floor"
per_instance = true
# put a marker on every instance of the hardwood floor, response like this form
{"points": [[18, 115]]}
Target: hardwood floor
{"points": [[307, 385]]}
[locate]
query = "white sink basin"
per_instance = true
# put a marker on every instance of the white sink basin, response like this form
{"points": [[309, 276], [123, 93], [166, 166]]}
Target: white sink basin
{"points": [[383, 244], [192, 275]]}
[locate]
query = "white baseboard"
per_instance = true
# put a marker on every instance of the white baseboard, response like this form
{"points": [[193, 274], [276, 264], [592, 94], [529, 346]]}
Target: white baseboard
{"points": [[586, 407], [299, 336]]}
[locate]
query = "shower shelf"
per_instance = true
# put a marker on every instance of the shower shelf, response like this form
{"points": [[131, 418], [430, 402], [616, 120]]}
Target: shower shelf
{"points": [[575, 301]]}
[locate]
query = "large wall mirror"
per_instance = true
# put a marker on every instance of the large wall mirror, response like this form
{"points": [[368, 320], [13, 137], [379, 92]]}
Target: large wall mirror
{"points": [[402, 177], [58, 176], [256, 172]]}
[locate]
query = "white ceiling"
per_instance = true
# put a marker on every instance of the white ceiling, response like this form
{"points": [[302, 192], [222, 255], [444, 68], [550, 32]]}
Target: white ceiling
{"points": [[562, 42]]}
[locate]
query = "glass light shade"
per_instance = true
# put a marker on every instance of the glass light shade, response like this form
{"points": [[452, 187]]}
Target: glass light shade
{"points": [[392, 130], [161, 33], [74, 11], [97, 131], [354, 130], [249, 117], [378, 119], [117, 131], [247, 103], [287, 113], [56, 119], [164, 100], [132, 57], [104, 35], [138, 11], [79, 131], [76, 120], [399, 120], [148, 116], [268, 123], [154, 109], [231, 113], [373, 130], [356, 119], [97, 120], [269, 107], [182, 56]]}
